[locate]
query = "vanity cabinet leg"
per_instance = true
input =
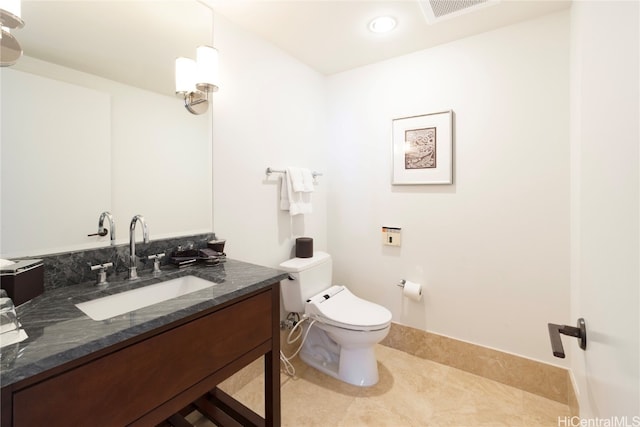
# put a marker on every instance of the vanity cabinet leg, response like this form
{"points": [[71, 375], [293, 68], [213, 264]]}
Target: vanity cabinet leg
{"points": [[272, 365]]}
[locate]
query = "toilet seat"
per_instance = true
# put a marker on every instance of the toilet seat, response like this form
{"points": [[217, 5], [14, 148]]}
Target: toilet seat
{"points": [[338, 307]]}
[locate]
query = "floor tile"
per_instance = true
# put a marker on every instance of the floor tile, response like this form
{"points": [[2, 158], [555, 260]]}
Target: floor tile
{"points": [[411, 392]]}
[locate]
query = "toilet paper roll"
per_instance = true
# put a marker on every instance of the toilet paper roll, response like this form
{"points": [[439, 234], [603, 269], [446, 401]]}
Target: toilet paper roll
{"points": [[412, 290]]}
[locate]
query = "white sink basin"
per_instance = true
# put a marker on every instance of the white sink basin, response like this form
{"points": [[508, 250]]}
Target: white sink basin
{"points": [[124, 302]]}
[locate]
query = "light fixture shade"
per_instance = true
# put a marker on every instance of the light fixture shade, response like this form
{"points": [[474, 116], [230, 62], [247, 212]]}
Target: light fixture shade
{"points": [[207, 69], [10, 14], [185, 75], [12, 6]]}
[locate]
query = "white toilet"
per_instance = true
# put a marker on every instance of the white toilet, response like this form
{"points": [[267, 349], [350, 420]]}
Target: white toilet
{"points": [[341, 341]]}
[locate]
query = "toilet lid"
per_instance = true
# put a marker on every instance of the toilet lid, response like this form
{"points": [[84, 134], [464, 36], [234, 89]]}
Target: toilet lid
{"points": [[339, 307]]}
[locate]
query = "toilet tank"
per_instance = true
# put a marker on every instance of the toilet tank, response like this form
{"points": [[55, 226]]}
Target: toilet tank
{"points": [[307, 277]]}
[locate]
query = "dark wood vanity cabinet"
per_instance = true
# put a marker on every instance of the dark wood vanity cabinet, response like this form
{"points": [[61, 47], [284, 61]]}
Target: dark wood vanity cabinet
{"points": [[146, 380]]}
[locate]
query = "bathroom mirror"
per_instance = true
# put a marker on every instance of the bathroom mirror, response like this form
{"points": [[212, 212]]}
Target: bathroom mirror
{"points": [[91, 123]]}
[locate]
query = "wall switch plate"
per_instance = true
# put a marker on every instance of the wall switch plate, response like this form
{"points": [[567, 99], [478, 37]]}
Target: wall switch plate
{"points": [[391, 236]]}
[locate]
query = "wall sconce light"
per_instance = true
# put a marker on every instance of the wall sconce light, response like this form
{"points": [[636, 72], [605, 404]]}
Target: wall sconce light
{"points": [[196, 79], [10, 49]]}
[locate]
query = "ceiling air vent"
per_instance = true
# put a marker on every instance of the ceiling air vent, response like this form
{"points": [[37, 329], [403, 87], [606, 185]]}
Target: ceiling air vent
{"points": [[439, 10]]}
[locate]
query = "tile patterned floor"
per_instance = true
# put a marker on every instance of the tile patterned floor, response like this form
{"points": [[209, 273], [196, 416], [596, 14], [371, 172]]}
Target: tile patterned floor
{"points": [[411, 392]]}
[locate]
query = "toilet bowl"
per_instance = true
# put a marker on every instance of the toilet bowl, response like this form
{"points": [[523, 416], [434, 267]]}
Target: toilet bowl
{"points": [[342, 329]]}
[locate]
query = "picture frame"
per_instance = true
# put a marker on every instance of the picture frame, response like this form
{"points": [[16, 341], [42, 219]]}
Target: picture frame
{"points": [[423, 149]]}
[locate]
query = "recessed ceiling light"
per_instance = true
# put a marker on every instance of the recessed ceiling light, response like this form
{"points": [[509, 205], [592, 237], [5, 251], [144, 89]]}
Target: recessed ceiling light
{"points": [[382, 24]]}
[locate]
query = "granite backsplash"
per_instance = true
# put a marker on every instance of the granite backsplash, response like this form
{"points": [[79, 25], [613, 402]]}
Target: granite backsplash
{"points": [[71, 268]]}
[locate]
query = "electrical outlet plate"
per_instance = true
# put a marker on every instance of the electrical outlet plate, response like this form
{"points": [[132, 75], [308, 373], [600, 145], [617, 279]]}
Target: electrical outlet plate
{"points": [[391, 236]]}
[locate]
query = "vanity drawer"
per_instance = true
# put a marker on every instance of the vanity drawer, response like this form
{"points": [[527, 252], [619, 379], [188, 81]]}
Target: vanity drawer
{"points": [[120, 387]]}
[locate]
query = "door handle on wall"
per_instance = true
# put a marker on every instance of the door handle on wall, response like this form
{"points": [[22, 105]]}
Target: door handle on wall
{"points": [[579, 332]]}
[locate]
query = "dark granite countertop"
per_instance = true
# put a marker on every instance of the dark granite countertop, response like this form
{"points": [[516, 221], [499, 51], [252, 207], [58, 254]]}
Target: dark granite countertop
{"points": [[59, 332]]}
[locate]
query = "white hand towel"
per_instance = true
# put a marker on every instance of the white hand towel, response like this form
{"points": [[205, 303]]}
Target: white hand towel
{"points": [[284, 192], [296, 177], [6, 262], [301, 179], [296, 202]]}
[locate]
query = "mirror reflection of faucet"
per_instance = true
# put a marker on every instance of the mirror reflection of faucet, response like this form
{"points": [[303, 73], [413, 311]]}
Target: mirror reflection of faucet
{"points": [[102, 231], [133, 271]]}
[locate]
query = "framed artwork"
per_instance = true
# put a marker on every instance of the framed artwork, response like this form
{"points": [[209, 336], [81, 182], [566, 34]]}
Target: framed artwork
{"points": [[423, 149]]}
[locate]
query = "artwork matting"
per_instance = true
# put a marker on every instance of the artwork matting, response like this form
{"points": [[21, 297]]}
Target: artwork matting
{"points": [[423, 149]]}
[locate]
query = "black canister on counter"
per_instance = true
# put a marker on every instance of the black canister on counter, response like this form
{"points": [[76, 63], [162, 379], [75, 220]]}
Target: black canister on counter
{"points": [[304, 247], [217, 245], [23, 280]]}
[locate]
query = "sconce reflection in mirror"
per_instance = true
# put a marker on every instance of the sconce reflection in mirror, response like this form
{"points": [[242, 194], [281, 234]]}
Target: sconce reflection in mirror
{"points": [[10, 49], [195, 80]]}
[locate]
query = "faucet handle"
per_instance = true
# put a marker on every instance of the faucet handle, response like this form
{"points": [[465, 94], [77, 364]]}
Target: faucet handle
{"points": [[156, 261], [101, 266], [102, 272]]}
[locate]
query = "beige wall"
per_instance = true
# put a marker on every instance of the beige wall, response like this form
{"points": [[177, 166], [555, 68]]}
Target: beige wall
{"points": [[491, 250], [269, 112]]}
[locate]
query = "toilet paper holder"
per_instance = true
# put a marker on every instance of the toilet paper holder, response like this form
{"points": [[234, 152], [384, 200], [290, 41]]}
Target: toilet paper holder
{"points": [[410, 290]]}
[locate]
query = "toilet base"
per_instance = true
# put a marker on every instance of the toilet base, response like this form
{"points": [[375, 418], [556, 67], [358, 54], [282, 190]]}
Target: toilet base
{"points": [[357, 366]]}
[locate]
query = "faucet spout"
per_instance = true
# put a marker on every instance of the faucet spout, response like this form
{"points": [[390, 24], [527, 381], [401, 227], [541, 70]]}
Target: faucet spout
{"points": [[112, 226], [102, 231], [133, 270]]}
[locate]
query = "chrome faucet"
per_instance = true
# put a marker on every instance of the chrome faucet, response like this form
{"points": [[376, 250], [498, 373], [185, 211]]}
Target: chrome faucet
{"points": [[112, 226], [102, 231], [133, 271]]}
